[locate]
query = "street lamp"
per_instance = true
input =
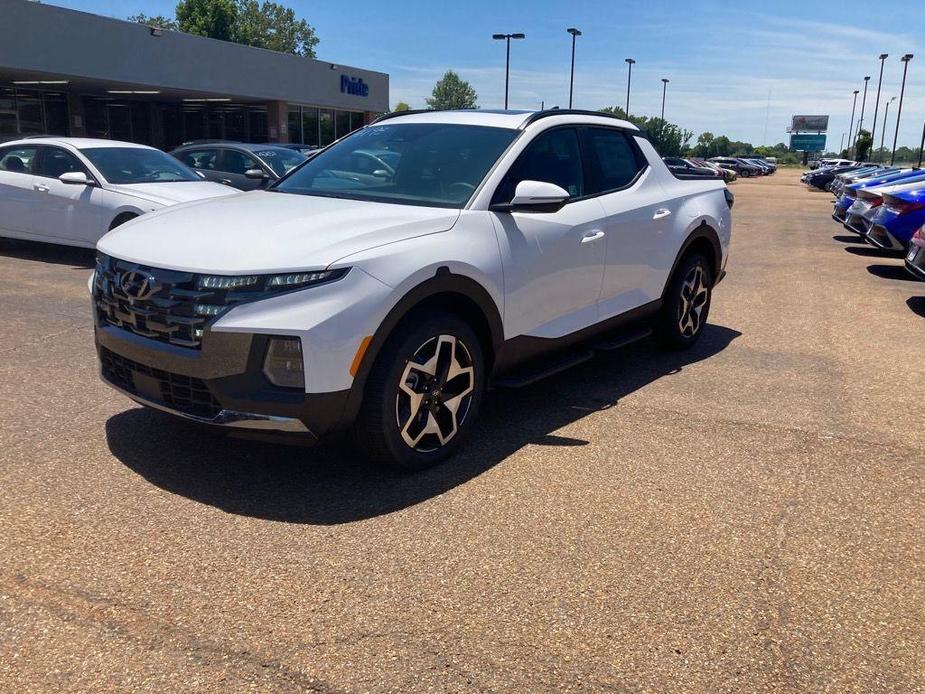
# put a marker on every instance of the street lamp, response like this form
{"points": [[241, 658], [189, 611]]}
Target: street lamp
{"points": [[857, 135], [571, 84], [507, 62], [899, 109], [873, 130], [886, 112], [665, 81], [629, 78], [851, 127]]}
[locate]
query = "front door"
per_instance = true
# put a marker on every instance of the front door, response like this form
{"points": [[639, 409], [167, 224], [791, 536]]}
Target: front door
{"points": [[18, 198], [66, 211]]}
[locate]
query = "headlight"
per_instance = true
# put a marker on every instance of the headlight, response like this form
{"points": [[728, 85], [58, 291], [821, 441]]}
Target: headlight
{"points": [[224, 282], [283, 363], [301, 279]]}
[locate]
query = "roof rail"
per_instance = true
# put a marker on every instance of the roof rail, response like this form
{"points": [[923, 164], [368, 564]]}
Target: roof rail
{"points": [[568, 112], [407, 112]]}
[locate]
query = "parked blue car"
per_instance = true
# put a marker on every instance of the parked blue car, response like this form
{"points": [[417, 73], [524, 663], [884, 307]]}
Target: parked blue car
{"points": [[840, 211], [893, 223]]}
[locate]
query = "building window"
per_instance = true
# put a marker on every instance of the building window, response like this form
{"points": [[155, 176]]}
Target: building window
{"points": [[310, 125], [295, 125], [32, 112], [327, 128]]}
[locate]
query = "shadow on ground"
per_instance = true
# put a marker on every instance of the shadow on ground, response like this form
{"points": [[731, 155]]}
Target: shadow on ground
{"points": [[917, 305], [891, 272], [847, 238], [329, 484], [872, 252], [77, 258]]}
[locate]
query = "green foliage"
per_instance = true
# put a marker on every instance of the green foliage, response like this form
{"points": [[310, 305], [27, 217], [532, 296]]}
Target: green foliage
{"points": [[401, 106], [864, 144], [251, 22], [156, 21], [213, 18], [451, 92], [274, 27], [668, 139]]}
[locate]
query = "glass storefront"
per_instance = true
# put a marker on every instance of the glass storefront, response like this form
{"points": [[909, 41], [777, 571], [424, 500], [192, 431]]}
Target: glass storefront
{"points": [[313, 126], [28, 112]]}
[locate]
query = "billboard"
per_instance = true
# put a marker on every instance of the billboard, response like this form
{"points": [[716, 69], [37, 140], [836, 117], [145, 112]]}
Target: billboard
{"points": [[812, 124], [807, 143]]}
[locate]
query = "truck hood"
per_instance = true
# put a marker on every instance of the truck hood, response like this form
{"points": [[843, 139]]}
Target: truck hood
{"points": [[261, 232], [173, 193]]}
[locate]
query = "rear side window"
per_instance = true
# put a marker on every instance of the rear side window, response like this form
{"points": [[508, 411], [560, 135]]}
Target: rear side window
{"points": [[206, 159], [56, 161], [18, 159], [613, 161], [234, 162], [553, 157]]}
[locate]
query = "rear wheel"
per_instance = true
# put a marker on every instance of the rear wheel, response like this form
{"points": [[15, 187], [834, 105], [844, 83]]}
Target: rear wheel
{"points": [[423, 392], [687, 303]]}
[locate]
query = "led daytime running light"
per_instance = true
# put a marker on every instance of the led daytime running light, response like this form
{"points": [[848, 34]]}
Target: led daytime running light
{"points": [[224, 282], [298, 278]]}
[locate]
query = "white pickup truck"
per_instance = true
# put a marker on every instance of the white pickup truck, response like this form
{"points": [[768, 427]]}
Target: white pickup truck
{"points": [[384, 285]]}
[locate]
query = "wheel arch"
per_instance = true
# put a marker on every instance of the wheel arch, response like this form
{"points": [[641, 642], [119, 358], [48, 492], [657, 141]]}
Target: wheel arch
{"points": [[122, 217], [448, 291], [702, 239]]}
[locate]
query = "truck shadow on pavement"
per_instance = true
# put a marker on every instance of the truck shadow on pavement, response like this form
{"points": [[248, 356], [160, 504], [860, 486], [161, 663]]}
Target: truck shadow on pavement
{"points": [[330, 484], [77, 258], [917, 305]]}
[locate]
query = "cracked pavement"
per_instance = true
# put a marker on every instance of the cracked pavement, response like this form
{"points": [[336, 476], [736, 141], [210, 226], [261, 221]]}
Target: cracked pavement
{"points": [[747, 516]]}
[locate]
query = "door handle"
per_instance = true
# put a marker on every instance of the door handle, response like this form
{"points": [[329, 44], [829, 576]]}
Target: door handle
{"points": [[592, 236], [226, 181], [661, 213], [40, 187]]}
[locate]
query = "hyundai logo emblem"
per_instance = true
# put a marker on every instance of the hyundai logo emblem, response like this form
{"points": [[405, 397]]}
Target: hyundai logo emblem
{"points": [[138, 285]]}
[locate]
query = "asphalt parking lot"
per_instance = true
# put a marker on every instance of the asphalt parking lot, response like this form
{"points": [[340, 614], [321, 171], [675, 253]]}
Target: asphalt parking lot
{"points": [[747, 516]]}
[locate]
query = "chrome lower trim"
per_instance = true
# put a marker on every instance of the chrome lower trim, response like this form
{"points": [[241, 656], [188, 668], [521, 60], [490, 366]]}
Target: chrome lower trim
{"points": [[873, 237], [915, 270], [230, 419]]}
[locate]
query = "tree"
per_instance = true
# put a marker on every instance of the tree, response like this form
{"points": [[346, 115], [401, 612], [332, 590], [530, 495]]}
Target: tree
{"points": [[451, 92], [864, 143], [401, 106], [158, 21], [213, 18], [667, 138], [274, 27]]}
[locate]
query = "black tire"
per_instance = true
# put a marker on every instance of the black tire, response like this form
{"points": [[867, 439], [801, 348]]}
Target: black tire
{"points": [[686, 305], [378, 431], [122, 219]]}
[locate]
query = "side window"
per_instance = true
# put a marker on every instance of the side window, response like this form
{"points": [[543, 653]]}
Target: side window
{"points": [[18, 159], [553, 157], [200, 158], [613, 160], [56, 161], [234, 162]]}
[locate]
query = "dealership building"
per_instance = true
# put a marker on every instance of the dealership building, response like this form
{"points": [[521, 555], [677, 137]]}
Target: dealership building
{"points": [[64, 72]]}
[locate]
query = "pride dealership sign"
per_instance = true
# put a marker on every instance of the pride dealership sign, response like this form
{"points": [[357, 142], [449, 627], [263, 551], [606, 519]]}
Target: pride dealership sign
{"points": [[353, 85]]}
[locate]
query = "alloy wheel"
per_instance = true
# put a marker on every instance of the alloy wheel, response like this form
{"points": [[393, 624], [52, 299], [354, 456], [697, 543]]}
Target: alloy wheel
{"points": [[435, 393], [694, 296]]}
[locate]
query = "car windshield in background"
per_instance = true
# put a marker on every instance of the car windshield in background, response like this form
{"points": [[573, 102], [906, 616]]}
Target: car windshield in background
{"points": [[431, 164], [280, 159], [138, 165]]}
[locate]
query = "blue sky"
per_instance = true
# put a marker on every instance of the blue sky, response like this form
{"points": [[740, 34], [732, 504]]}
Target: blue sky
{"points": [[723, 58]]}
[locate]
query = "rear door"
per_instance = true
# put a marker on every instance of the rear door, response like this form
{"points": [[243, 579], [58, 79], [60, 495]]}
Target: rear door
{"points": [[18, 198], [66, 211]]}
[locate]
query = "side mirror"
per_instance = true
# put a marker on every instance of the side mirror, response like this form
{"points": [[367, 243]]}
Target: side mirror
{"points": [[535, 196], [199, 173], [381, 172], [255, 173], [75, 178]]}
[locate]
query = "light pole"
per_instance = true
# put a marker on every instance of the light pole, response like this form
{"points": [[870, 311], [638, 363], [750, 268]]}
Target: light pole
{"points": [[851, 127], [665, 81], [507, 62], [842, 145], [571, 84], [629, 78], [921, 147], [873, 130], [899, 109], [886, 112], [857, 135]]}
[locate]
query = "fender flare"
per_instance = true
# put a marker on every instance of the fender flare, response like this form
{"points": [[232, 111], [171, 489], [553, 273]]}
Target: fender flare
{"points": [[702, 231], [443, 282]]}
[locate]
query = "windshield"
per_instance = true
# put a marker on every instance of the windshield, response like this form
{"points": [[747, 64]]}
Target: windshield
{"points": [[138, 165], [432, 164], [280, 159]]}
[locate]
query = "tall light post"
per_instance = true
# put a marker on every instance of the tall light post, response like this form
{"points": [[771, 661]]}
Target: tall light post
{"points": [[665, 81], [571, 84], [851, 127], [886, 112], [842, 145], [857, 135], [629, 78], [507, 62], [873, 130], [899, 109]]}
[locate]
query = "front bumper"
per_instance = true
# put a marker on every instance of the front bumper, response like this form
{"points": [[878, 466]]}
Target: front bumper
{"points": [[877, 235], [915, 261], [857, 224], [220, 385]]}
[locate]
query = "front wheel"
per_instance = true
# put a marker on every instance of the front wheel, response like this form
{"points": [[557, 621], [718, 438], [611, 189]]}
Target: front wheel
{"points": [[423, 393], [687, 303]]}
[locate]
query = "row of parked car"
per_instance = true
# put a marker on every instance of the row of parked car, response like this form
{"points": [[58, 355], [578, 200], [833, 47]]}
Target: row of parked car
{"points": [[883, 205], [727, 168], [73, 190]]}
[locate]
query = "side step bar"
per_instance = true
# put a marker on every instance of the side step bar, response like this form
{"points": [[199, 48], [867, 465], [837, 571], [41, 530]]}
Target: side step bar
{"points": [[540, 369]]}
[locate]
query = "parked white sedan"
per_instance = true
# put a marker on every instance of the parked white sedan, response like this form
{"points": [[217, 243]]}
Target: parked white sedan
{"points": [[71, 190]]}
